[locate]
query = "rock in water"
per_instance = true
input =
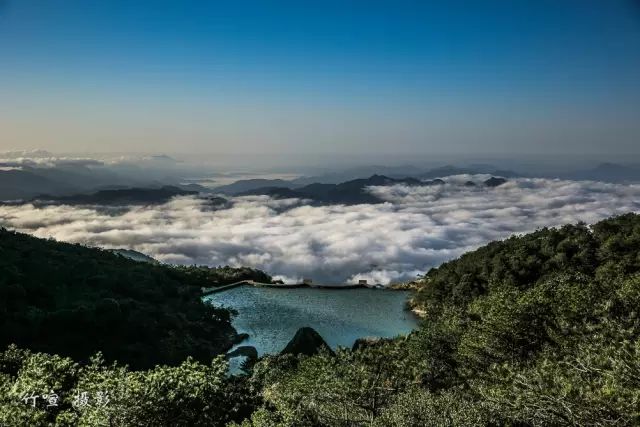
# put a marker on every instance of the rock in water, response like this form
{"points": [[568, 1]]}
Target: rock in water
{"points": [[306, 341], [247, 351]]}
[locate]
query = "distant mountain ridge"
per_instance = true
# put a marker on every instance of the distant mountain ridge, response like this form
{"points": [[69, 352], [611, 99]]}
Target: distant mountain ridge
{"points": [[248, 186], [21, 184], [348, 193], [245, 185], [26, 178], [127, 196], [27, 182]]}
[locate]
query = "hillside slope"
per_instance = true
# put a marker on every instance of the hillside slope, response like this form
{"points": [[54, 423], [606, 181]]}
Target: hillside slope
{"points": [[540, 329], [74, 301]]}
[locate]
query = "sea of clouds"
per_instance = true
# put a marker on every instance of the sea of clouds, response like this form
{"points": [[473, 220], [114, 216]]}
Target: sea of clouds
{"points": [[415, 229]]}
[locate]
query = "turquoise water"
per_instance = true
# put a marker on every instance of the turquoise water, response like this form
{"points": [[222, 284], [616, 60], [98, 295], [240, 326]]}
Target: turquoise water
{"points": [[271, 317]]}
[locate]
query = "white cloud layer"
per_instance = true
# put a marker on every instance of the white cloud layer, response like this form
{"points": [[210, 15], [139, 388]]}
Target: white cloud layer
{"points": [[417, 228]]}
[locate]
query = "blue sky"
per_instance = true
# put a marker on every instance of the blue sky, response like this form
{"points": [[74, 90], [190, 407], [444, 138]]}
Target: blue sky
{"points": [[315, 78]]}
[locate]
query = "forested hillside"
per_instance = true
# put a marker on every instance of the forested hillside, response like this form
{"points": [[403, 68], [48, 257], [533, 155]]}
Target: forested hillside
{"points": [[74, 301], [541, 329]]}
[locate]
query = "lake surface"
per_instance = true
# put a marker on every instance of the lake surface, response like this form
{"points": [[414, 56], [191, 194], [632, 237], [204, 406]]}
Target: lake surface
{"points": [[271, 316]]}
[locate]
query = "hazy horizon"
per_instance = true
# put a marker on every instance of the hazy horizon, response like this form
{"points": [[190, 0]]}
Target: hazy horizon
{"points": [[294, 163]]}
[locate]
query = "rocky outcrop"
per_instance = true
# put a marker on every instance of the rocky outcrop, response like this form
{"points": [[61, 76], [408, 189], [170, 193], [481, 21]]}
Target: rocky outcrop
{"points": [[494, 182], [240, 337], [306, 341]]}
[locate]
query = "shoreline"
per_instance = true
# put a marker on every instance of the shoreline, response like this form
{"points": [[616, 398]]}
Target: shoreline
{"points": [[222, 288], [312, 286]]}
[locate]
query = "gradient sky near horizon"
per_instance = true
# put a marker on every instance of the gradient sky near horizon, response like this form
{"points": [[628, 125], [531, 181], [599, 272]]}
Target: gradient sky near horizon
{"points": [[311, 79]]}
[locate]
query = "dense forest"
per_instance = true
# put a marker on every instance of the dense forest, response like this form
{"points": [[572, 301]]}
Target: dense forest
{"points": [[73, 301], [540, 329]]}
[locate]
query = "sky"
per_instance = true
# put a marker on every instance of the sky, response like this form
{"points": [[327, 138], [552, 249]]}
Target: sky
{"points": [[313, 82]]}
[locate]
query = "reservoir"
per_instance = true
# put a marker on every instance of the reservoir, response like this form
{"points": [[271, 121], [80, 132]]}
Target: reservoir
{"points": [[271, 316]]}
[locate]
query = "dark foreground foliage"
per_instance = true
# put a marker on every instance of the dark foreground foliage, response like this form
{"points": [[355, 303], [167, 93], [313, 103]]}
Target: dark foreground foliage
{"points": [[96, 394], [537, 330], [74, 301]]}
